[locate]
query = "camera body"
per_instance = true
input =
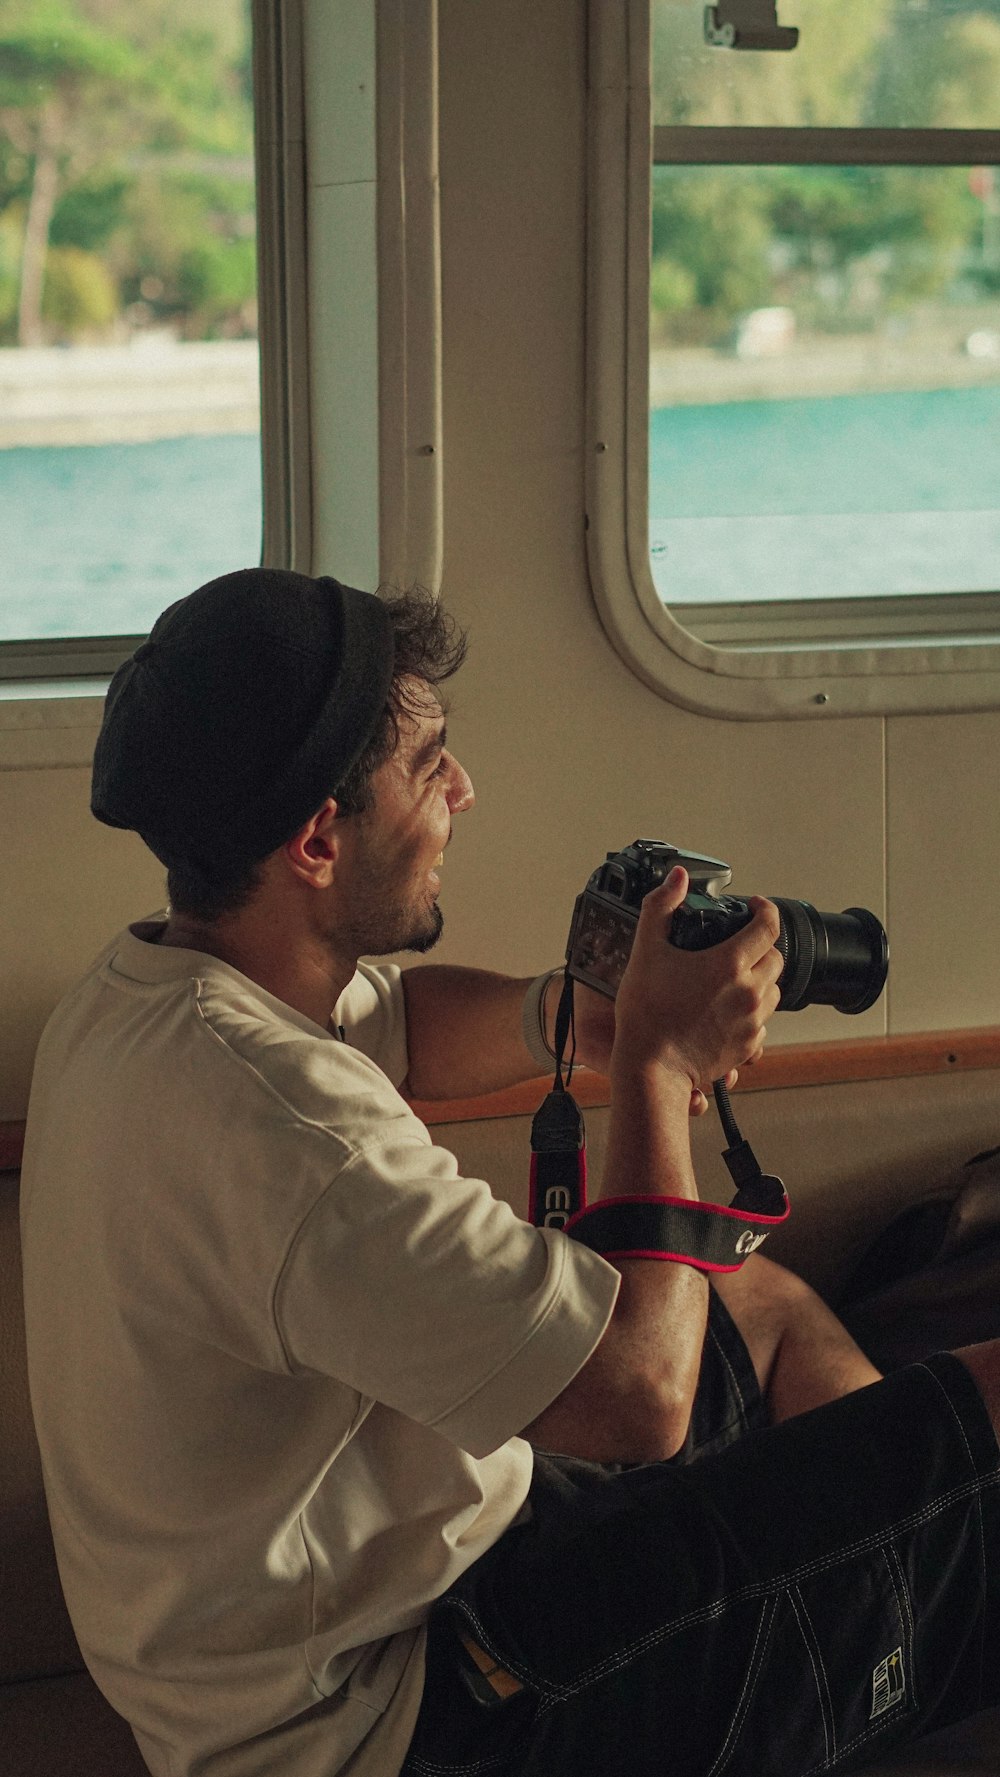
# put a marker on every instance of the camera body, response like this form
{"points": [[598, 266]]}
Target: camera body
{"points": [[837, 959]]}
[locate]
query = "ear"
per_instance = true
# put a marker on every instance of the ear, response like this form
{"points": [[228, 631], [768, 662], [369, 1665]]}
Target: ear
{"points": [[313, 851]]}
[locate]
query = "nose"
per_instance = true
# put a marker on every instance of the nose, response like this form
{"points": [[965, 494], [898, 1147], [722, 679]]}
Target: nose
{"points": [[461, 795]]}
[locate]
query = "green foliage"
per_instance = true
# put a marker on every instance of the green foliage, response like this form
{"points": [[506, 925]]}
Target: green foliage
{"points": [[54, 50], [841, 246], [858, 62], [10, 267], [89, 212], [672, 286], [712, 226], [80, 295], [188, 253], [824, 82], [145, 112], [216, 279]]}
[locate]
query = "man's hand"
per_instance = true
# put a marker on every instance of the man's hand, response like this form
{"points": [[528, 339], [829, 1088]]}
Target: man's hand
{"points": [[697, 1013], [682, 1019], [594, 1027]]}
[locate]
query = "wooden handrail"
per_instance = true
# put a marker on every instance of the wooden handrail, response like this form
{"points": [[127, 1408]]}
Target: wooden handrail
{"points": [[792, 1064]]}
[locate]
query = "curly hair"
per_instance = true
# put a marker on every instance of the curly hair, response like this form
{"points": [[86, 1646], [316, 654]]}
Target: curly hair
{"points": [[429, 647]]}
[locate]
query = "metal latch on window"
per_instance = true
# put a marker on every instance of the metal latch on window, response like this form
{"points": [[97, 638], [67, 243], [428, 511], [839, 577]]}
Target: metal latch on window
{"points": [[748, 24]]}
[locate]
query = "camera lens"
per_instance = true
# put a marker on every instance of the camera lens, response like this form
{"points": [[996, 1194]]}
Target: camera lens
{"points": [[831, 959]]}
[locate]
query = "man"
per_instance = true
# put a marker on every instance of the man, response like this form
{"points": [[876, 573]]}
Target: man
{"points": [[288, 1367]]}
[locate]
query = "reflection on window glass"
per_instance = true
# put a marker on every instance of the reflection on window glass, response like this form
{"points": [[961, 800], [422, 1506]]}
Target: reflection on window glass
{"points": [[129, 413], [914, 64]]}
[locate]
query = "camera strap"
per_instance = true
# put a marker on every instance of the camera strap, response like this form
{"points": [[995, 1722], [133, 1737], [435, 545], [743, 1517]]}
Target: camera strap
{"points": [[709, 1236], [558, 1188]]}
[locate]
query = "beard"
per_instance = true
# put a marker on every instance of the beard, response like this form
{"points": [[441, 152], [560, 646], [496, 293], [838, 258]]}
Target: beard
{"points": [[385, 923], [384, 931], [391, 908], [420, 939]]}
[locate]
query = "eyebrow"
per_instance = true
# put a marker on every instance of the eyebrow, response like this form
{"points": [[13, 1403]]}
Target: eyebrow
{"points": [[433, 745]]}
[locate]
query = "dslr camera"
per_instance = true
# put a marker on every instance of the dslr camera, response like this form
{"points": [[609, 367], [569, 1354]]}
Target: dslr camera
{"points": [[830, 959]]}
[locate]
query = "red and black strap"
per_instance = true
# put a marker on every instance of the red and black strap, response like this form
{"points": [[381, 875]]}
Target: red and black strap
{"points": [[709, 1236]]}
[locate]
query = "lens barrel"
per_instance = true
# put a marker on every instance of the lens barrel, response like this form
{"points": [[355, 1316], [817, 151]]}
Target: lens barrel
{"points": [[831, 959]]}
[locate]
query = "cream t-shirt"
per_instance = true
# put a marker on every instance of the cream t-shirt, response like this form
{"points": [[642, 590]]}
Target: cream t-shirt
{"points": [[279, 1352]]}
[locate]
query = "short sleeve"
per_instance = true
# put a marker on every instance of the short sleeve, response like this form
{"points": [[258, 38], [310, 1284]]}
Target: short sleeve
{"points": [[372, 1014], [417, 1288]]}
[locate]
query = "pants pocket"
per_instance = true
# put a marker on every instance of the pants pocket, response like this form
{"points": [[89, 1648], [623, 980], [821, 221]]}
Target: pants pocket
{"points": [[837, 1675]]}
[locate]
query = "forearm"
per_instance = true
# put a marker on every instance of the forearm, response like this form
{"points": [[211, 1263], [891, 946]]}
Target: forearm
{"points": [[662, 1304], [464, 1031], [632, 1402]]}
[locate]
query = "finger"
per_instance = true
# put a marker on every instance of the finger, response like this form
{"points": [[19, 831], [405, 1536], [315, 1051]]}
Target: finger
{"points": [[769, 967], [762, 932], [661, 901], [699, 1103]]}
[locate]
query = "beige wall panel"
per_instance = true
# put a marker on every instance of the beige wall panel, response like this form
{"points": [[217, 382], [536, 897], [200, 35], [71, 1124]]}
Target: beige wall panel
{"points": [[67, 884], [571, 754], [944, 870]]}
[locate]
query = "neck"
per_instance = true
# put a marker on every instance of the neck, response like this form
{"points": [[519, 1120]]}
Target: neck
{"points": [[295, 965]]}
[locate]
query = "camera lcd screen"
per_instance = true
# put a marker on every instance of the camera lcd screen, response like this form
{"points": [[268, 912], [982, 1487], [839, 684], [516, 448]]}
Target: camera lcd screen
{"points": [[601, 943]]}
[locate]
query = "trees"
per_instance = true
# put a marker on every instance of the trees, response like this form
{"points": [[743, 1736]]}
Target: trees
{"points": [[126, 158], [60, 81], [840, 245]]}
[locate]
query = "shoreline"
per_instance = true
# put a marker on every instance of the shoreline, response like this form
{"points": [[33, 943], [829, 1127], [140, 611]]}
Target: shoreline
{"points": [[131, 394], [162, 388], [689, 376]]}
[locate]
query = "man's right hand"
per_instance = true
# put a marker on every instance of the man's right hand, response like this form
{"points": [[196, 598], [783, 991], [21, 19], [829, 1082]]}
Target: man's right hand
{"points": [[697, 1013]]}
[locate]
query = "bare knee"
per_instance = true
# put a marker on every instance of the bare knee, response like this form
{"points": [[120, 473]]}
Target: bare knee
{"points": [[802, 1354], [763, 1298]]}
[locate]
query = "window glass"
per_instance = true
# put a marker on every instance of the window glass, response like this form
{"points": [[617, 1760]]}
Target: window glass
{"points": [[825, 338], [824, 382], [888, 64], [129, 407]]}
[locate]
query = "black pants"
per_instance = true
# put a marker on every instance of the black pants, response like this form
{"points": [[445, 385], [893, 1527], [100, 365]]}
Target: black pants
{"points": [[798, 1600]]}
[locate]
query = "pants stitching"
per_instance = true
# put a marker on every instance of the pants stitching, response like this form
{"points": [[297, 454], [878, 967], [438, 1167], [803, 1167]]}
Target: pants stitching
{"points": [[951, 1405], [902, 1591], [625, 1655], [739, 1713], [433, 1768], [808, 1635]]}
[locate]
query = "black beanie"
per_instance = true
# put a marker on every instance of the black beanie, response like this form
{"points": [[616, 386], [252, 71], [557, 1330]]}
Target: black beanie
{"points": [[251, 699]]}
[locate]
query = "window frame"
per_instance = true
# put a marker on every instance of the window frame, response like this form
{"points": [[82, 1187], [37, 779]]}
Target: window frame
{"points": [[750, 675], [68, 667], [382, 86]]}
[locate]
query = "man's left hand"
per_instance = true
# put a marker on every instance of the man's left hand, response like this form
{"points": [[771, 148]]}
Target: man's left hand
{"points": [[594, 1024]]}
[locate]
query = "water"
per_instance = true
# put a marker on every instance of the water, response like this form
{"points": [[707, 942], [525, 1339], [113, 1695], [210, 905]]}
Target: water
{"points": [[828, 497], [99, 539], [841, 496]]}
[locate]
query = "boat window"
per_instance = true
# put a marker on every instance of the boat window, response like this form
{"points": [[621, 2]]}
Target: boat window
{"points": [[129, 366], [812, 292]]}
